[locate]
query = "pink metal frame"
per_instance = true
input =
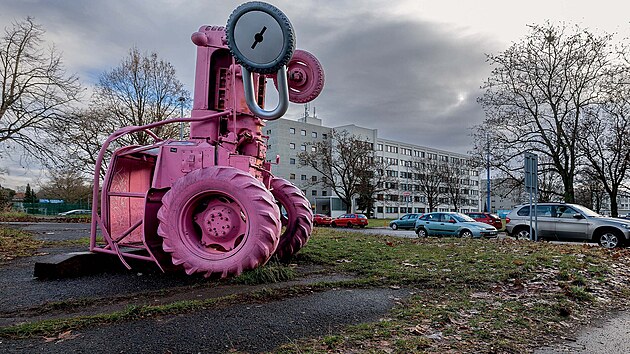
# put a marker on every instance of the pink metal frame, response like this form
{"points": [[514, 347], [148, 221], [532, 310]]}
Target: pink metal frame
{"points": [[111, 246]]}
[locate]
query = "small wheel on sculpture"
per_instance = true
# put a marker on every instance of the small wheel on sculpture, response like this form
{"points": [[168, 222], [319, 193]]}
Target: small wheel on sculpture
{"points": [[298, 221]]}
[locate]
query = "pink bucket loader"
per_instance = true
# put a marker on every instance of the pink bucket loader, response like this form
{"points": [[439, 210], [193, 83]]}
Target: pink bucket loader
{"points": [[210, 204]]}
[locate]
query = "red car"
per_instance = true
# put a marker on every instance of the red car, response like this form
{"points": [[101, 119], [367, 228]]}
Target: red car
{"points": [[350, 220], [488, 218], [321, 219]]}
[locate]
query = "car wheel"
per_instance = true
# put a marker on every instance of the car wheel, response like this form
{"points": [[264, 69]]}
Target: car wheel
{"points": [[394, 226], [522, 233], [332, 224], [315, 223], [362, 226], [465, 234], [609, 239], [421, 232], [349, 225]]}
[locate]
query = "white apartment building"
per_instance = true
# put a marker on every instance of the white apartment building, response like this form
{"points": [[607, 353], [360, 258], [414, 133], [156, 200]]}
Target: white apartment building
{"points": [[288, 137]]}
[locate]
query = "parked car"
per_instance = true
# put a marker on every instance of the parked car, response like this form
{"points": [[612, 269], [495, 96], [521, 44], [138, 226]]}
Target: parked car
{"points": [[407, 221], [453, 224], [321, 219], [561, 221], [350, 220], [488, 218], [76, 212]]}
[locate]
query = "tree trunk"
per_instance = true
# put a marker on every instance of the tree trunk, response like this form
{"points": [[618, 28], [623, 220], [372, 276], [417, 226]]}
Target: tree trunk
{"points": [[614, 208], [569, 190]]}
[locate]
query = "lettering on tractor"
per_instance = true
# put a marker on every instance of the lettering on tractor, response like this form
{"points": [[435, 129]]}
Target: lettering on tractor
{"points": [[210, 204]]}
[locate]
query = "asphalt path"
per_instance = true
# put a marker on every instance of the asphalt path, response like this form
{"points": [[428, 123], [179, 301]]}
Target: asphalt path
{"points": [[248, 328]]}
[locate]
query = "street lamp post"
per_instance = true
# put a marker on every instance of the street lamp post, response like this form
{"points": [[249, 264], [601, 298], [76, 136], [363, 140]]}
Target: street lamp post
{"points": [[181, 101], [487, 173]]}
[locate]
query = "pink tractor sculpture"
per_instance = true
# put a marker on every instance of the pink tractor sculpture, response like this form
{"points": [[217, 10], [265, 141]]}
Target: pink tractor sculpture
{"points": [[210, 204]]}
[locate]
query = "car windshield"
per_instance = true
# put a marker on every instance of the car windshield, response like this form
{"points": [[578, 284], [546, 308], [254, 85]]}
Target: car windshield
{"points": [[462, 217], [586, 211]]}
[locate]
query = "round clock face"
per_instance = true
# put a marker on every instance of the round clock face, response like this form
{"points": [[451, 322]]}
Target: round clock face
{"points": [[260, 37]]}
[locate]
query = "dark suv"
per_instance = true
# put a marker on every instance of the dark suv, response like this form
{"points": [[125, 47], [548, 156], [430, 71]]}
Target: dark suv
{"points": [[560, 221]]}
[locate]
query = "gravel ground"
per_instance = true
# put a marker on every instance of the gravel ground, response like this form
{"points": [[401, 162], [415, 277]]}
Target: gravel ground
{"points": [[608, 336]]}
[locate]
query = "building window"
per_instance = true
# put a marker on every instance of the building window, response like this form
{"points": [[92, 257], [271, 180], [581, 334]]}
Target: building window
{"points": [[313, 149], [379, 147], [292, 176], [314, 134], [303, 177], [292, 161], [314, 179], [303, 147], [391, 210], [391, 161], [292, 146], [324, 136], [292, 130], [390, 148], [268, 131], [324, 193], [314, 192], [379, 209], [303, 132]]}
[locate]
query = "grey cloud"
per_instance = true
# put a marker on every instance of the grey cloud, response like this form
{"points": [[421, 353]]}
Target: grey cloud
{"points": [[413, 80]]}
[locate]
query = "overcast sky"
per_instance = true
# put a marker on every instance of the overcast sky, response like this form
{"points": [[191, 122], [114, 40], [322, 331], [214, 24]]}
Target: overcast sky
{"points": [[411, 69]]}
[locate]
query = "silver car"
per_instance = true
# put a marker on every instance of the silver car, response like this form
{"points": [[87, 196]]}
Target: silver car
{"points": [[560, 221]]}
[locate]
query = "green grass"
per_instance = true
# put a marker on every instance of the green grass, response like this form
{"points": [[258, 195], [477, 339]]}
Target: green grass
{"points": [[17, 243], [379, 222], [491, 295], [273, 272]]}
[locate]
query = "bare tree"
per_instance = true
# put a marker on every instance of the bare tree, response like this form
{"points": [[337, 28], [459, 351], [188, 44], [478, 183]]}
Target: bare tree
{"points": [[536, 96], [454, 174], [143, 89], [606, 145], [343, 161], [66, 184], [430, 176], [6, 195], [589, 191], [371, 182], [80, 142], [36, 91]]}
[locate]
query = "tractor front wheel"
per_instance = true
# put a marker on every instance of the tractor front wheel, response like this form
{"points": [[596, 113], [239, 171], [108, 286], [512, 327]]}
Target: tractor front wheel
{"points": [[298, 221], [219, 221]]}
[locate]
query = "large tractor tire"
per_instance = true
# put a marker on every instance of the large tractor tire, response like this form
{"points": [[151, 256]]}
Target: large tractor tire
{"points": [[298, 221], [219, 221]]}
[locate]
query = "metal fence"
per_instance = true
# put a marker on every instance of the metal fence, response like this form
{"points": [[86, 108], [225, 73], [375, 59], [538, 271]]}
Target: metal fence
{"points": [[48, 208]]}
